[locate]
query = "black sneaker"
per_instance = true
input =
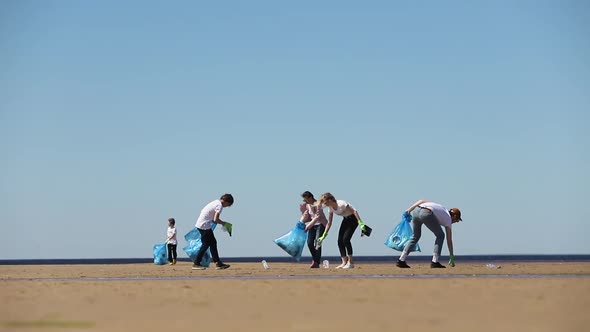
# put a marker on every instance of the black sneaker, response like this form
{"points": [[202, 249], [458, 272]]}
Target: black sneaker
{"points": [[221, 266], [198, 267], [436, 265], [402, 264]]}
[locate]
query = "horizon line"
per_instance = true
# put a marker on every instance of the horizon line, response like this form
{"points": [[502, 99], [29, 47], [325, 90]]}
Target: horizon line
{"points": [[287, 259]]}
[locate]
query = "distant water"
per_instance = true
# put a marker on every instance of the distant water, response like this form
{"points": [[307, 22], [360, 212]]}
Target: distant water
{"points": [[283, 259]]}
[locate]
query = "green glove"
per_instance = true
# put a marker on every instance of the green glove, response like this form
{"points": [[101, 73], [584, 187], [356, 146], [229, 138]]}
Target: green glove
{"points": [[318, 241], [452, 261], [362, 225], [228, 227]]}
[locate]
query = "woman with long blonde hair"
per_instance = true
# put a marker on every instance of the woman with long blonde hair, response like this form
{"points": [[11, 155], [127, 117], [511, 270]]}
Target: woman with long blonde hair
{"points": [[350, 221]]}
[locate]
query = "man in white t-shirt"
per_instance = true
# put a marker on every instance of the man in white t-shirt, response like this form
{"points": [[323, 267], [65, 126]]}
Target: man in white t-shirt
{"points": [[434, 216], [210, 214]]}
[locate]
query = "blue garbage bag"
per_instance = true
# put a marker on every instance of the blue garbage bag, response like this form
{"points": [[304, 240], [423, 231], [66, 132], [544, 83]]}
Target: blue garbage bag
{"points": [[193, 239], [160, 254], [401, 235], [294, 241]]}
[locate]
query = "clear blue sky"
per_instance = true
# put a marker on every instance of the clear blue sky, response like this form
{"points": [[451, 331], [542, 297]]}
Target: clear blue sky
{"points": [[115, 115]]}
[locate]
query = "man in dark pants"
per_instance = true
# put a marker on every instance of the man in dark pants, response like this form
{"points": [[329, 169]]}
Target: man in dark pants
{"points": [[210, 214]]}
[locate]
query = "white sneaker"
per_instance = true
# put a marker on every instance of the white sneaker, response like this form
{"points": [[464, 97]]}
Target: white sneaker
{"points": [[341, 266], [348, 266]]}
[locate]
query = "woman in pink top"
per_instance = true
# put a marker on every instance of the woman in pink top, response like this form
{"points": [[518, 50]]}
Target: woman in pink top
{"points": [[316, 221]]}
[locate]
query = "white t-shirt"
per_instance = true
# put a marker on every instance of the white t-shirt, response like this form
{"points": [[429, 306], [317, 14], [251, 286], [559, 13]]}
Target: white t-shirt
{"points": [[207, 214], [441, 214], [341, 208], [171, 233]]}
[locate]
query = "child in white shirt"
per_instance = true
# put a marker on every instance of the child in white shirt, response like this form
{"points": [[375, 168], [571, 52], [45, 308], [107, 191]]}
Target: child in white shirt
{"points": [[171, 241]]}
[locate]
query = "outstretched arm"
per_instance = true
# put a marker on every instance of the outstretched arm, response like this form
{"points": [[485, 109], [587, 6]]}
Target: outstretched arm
{"points": [[217, 220], [450, 240], [354, 211], [450, 245], [329, 225], [358, 217]]}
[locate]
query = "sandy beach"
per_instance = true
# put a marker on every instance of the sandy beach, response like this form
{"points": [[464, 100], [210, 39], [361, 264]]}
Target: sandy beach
{"points": [[291, 297]]}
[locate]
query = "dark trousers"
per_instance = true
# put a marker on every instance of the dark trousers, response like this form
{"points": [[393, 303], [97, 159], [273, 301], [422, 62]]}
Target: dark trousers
{"points": [[171, 251], [208, 241], [347, 228], [313, 234]]}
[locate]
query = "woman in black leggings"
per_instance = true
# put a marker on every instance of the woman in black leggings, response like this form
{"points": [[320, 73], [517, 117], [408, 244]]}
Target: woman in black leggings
{"points": [[350, 221]]}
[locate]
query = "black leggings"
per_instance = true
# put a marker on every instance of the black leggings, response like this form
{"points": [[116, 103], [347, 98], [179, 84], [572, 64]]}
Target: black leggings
{"points": [[347, 228], [171, 252], [208, 240]]}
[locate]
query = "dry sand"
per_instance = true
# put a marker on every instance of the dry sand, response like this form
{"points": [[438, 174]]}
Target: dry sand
{"points": [[70, 298]]}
